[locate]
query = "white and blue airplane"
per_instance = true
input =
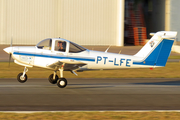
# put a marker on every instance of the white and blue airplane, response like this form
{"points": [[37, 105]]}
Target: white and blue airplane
{"points": [[63, 55]]}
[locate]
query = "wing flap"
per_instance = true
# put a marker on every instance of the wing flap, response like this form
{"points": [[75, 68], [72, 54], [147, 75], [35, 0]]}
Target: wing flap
{"points": [[68, 65]]}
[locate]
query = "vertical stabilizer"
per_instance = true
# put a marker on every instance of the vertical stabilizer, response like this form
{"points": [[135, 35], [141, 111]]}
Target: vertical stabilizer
{"points": [[157, 49]]}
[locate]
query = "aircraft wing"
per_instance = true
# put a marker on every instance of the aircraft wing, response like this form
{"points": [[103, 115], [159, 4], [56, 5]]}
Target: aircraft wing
{"points": [[68, 65]]}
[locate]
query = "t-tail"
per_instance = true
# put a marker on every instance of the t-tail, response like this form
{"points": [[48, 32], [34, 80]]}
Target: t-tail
{"points": [[157, 50]]}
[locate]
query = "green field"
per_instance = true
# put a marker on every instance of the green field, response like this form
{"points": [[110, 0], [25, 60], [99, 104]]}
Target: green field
{"points": [[172, 70], [92, 116]]}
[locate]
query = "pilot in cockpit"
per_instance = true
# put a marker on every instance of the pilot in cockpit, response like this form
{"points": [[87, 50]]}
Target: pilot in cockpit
{"points": [[61, 46]]}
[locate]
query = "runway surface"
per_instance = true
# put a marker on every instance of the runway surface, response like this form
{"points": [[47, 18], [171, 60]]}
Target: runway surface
{"points": [[91, 94]]}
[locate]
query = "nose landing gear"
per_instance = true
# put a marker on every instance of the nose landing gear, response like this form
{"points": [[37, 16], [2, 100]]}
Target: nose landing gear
{"points": [[22, 77]]}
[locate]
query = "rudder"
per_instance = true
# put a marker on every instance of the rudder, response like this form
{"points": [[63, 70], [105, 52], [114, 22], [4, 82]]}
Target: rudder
{"points": [[164, 52]]}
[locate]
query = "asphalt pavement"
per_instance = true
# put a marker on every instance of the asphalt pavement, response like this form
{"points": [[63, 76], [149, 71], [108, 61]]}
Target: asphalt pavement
{"points": [[91, 94]]}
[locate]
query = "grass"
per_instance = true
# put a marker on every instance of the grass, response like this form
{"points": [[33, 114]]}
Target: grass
{"points": [[171, 70], [174, 57], [92, 116]]}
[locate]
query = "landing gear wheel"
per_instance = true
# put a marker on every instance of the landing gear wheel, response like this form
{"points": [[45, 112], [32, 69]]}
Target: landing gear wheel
{"points": [[21, 79], [62, 82], [53, 81]]}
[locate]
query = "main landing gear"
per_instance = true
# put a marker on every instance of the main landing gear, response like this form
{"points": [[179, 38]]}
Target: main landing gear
{"points": [[54, 79]]}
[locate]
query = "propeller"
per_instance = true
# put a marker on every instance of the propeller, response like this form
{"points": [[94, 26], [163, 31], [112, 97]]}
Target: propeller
{"points": [[10, 55]]}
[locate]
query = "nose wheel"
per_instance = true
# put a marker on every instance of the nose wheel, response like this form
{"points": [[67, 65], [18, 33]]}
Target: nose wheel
{"points": [[22, 77], [62, 82]]}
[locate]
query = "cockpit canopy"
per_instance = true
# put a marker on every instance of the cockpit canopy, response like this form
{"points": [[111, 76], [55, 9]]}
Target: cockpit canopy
{"points": [[75, 48], [60, 45], [45, 44]]}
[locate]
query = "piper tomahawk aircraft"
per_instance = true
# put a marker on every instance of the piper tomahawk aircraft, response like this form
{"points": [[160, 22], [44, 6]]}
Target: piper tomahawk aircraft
{"points": [[63, 55]]}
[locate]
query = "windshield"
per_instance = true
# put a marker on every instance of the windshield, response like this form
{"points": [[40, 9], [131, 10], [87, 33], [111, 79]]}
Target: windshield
{"points": [[45, 44], [75, 48]]}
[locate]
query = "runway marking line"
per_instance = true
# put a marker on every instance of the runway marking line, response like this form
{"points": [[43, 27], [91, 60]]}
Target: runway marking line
{"points": [[30, 112]]}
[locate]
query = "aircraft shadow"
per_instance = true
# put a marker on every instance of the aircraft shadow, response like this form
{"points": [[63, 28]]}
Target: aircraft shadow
{"points": [[82, 86], [174, 83]]}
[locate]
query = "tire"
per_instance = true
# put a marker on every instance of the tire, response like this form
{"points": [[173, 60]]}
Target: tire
{"points": [[51, 80], [21, 79], [62, 82]]}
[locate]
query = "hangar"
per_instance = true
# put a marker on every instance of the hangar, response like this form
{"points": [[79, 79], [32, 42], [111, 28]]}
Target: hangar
{"points": [[86, 22]]}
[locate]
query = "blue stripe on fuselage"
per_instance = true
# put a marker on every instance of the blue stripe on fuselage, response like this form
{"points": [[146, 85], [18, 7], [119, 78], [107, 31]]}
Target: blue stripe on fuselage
{"points": [[55, 56]]}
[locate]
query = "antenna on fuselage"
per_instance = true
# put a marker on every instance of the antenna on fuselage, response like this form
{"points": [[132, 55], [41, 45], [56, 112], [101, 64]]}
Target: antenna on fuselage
{"points": [[107, 49], [121, 50]]}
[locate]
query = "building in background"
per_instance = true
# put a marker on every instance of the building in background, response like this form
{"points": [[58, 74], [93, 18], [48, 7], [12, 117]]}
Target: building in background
{"points": [[135, 27], [165, 16], [86, 22], [154, 15]]}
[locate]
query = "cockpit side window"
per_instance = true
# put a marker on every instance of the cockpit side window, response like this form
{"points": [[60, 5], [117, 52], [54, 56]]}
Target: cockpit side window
{"points": [[60, 46], [74, 48], [45, 44]]}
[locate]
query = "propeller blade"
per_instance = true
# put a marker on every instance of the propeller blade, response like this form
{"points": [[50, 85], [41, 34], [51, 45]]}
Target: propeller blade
{"points": [[10, 55], [11, 41]]}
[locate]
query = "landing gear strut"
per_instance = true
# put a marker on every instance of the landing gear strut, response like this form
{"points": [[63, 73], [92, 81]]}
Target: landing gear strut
{"points": [[62, 82], [22, 77], [54, 79]]}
